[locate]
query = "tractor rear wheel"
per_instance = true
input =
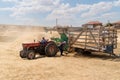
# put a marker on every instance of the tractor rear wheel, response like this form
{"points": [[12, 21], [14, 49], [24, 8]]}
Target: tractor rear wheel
{"points": [[23, 54], [51, 49], [31, 55]]}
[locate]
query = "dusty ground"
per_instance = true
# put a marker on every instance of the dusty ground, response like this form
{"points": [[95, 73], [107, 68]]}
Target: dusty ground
{"points": [[70, 67]]}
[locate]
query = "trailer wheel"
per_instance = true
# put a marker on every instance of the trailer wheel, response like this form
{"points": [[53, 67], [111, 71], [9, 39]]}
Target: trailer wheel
{"points": [[31, 55], [86, 53], [51, 49], [23, 54], [79, 50]]}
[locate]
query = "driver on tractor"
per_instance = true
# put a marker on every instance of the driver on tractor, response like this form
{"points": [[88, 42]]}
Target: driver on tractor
{"points": [[43, 41]]}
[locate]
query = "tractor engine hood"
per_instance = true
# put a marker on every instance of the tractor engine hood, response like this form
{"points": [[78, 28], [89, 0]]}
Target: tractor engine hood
{"points": [[27, 45]]}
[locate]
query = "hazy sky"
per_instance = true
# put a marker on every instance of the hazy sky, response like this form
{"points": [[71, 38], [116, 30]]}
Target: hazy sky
{"points": [[68, 12]]}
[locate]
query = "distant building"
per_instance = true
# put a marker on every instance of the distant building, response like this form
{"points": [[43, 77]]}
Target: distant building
{"points": [[117, 24], [93, 24]]}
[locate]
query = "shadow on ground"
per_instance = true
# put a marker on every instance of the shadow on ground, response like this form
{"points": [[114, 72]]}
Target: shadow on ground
{"points": [[98, 56]]}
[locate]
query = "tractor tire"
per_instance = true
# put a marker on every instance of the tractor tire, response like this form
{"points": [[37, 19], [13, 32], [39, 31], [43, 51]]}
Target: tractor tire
{"points": [[51, 49], [23, 54], [31, 55]]}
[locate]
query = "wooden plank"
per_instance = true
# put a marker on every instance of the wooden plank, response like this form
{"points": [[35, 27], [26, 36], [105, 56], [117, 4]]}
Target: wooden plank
{"points": [[90, 35], [88, 39], [87, 47], [86, 42], [84, 45]]}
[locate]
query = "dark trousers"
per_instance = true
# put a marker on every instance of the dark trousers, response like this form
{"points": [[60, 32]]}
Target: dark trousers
{"points": [[61, 49]]}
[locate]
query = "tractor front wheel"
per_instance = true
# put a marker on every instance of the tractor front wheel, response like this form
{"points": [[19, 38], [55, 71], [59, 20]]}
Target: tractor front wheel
{"points": [[23, 54], [51, 49], [31, 55]]}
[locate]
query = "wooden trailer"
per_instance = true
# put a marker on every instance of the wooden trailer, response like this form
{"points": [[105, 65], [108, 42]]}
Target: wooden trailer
{"points": [[99, 38], [88, 38]]}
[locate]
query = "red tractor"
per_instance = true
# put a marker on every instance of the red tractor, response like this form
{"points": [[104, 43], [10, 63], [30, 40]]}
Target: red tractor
{"points": [[31, 49]]}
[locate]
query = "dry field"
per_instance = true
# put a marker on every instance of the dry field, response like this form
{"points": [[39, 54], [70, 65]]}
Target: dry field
{"points": [[69, 67]]}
